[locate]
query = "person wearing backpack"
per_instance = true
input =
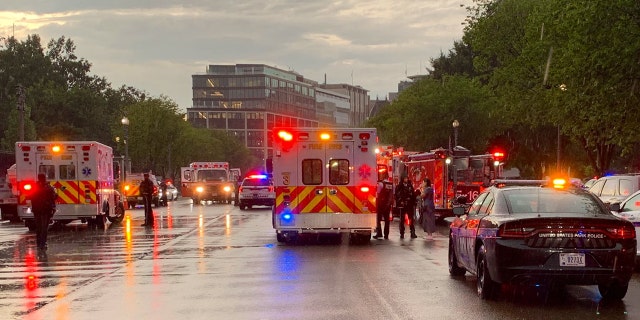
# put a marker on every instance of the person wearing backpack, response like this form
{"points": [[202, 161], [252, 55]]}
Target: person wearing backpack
{"points": [[383, 208]]}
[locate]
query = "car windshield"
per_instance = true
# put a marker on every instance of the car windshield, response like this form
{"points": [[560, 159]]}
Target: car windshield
{"points": [[542, 200], [255, 182]]}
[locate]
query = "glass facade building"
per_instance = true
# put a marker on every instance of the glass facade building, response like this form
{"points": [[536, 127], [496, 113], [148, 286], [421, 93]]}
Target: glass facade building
{"points": [[248, 100]]}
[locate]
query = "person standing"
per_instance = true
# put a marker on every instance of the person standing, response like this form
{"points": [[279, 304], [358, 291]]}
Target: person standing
{"points": [[146, 189], [383, 208], [163, 197], [405, 201], [427, 210], [43, 205]]}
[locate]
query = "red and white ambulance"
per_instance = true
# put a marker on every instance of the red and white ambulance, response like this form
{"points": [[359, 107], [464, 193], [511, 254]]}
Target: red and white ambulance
{"points": [[325, 181], [80, 171], [208, 180]]}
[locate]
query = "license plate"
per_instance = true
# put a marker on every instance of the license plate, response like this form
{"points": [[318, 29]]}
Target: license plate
{"points": [[572, 259], [139, 198]]}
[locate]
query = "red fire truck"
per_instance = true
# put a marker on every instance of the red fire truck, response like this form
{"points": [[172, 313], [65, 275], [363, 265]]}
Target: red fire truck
{"points": [[325, 182], [452, 173]]}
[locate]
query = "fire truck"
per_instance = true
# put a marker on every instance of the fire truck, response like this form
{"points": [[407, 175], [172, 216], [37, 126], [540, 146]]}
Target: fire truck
{"points": [[453, 173], [207, 181], [80, 171], [325, 182]]}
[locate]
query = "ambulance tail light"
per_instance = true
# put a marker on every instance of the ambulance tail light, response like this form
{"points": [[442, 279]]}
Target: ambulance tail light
{"points": [[127, 187], [365, 189], [286, 139], [27, 187]]}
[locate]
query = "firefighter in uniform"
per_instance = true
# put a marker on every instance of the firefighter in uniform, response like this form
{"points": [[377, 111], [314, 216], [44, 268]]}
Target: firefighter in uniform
{"points": [[406, 201], [146, 189]]}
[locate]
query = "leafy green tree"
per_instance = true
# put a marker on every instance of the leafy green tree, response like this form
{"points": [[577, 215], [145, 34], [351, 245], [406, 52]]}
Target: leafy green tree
{"points": [[422, 116]]}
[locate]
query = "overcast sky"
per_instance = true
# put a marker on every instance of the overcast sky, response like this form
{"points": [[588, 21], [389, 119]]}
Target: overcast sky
{"points": [[156, 45]]}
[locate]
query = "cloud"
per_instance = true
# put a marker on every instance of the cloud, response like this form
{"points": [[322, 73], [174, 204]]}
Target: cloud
{"points": [[157, 45]]}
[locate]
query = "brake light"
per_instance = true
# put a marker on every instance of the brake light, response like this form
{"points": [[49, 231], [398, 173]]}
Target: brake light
{"points": [[27, 187], [622, 232], [285, 135], [364, 189], [514, 231]]}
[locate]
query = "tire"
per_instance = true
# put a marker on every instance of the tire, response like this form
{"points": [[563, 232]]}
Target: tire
{"points": [[613, 291], [454, 269], [196, 201], [243, 207], [280, 237], [486, 287], [118, 214]]}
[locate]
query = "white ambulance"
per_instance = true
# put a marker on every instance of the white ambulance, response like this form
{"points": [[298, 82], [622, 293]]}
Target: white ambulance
{"points": [[325, 182], [80, 171]]}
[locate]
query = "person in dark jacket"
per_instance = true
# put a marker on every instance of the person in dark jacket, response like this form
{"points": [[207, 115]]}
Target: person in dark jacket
{"points": [[405, 201], [43, 205], [383, 208], [146, 189], [163, 197]]}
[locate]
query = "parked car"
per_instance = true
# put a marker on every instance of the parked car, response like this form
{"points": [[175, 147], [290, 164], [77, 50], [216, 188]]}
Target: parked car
{"points": [[629, 210], [615, 188], [541, 235], [256, 190], [172, 192]]}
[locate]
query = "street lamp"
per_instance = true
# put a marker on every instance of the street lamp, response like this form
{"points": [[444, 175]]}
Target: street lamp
{"points": [[455, 125], [125, 123]]}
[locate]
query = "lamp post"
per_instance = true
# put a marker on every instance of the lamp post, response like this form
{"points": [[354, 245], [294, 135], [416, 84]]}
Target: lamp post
{"points": [[455, 125], [125, 124]]}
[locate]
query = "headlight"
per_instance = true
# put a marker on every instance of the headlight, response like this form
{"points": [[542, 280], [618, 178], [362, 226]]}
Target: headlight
{"points": [[227, 188], [199, 189]]}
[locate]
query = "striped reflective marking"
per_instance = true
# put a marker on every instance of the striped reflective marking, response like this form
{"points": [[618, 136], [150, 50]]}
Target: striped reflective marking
{"points": [[76, 192], [306, 200]]}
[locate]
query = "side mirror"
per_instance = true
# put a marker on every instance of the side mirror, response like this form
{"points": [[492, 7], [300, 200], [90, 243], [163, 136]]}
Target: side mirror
{"points": [[615, 207]]}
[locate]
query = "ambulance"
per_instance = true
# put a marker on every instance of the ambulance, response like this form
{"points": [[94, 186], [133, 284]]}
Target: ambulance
{"points": [[325, 182], [80, 171], [208, 180]]}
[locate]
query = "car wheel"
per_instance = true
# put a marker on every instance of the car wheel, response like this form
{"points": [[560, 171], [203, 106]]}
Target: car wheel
{"points": [[280, 237], [454, 269], [486, 286], [613, 291]]}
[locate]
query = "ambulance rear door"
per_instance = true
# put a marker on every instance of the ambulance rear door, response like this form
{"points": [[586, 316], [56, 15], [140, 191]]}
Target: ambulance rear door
{"points": [[61, 171], [325, 172]]}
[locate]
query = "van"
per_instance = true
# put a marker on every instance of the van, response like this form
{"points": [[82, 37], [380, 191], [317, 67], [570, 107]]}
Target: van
{"points": [[616, 188]]}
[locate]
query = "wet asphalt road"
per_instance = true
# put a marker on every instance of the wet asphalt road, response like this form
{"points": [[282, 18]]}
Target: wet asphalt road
{"points": [[218, 262]]}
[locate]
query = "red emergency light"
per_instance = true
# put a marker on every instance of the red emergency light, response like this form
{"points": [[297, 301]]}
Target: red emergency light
{"points": [[285, 135]]}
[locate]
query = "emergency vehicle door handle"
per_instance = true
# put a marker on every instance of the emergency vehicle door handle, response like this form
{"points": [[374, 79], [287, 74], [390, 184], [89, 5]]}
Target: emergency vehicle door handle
{"points": [[333, 192]]}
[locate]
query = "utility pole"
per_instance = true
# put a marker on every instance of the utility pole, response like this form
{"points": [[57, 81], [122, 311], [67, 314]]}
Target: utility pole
{"points": [[20, 106]]}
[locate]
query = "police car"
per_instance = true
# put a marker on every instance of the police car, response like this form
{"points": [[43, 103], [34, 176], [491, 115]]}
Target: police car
{"points": [[256, 190]]}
